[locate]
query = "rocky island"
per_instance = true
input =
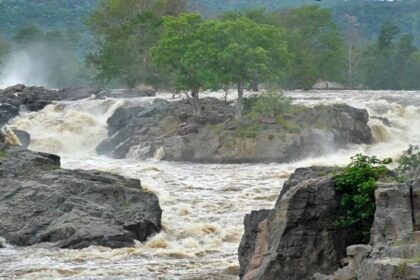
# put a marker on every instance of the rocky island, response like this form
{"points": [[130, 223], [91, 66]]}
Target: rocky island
{"points": [[169, 131]]}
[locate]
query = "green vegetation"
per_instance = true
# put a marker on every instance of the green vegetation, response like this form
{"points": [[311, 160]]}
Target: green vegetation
{"points": [[247, 52], [125, 31], [316, 46], [356, 185], [3, 153], [201, 54], [182, 52], [248, 130], [270, 107], [271, 104], [246, 43], [409, 161], [387, 64], [49, 14]]}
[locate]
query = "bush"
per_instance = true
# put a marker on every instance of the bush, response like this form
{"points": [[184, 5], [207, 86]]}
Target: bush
{"points": [[409, 161], [248, 131], [270, 104], [356, 185]]}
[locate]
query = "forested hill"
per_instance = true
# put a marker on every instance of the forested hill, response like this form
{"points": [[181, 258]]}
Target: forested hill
{"points": [[214, 7], [49, 14], [68, 14]]}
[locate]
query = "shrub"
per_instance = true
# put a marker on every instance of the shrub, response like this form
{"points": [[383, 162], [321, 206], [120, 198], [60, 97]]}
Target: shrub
{"points": [[3, 153], [356, 185], [409, 161], [270, 104], [249, 131]]}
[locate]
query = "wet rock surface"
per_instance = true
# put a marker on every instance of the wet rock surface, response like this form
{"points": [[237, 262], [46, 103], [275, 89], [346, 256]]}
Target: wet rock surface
{"points": [[40, 202], [298, 238], [215, 137]]}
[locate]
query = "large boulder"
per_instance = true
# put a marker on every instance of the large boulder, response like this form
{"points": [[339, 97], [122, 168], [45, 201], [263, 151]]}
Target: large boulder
{"points": [[171, 129], [40, 202], [298, 238], [7, 112]]}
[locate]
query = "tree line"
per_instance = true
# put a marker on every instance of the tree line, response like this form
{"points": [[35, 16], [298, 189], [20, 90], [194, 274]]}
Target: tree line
{"points": [[158, 43]]}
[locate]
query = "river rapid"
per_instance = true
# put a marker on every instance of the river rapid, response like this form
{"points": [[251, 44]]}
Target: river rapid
{"points": [[203, 204]]}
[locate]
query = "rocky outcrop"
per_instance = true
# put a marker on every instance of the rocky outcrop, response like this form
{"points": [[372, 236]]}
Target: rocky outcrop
{"points": [[36, 98], [395, 239], [169, 127], [298, 238], [40, 202]]}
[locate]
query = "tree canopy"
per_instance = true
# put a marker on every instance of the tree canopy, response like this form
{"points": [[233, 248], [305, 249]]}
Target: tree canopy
{"points": [[125, 31]]}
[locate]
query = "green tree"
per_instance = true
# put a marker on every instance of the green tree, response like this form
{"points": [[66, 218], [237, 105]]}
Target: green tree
{"points": [[409, 78], [125, 31], [356, 184], [387, 35], [183, 52], [246, 51], [31, 33], [387, 63], [316, 44]]}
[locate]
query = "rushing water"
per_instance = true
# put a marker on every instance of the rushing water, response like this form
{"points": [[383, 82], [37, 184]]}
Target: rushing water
{"points": [[203, 204]]}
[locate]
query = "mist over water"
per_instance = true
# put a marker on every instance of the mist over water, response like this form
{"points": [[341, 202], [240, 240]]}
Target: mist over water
{"points": [[50, 65], [203, 204], [26, 66]]}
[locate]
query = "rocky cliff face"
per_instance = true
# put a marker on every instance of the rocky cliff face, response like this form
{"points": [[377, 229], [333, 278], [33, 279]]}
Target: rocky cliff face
{"points": [[169, 131], [40, 202], [298, 238]]}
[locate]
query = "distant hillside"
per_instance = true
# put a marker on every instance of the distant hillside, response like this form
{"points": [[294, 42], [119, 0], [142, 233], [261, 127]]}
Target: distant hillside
{"points": [[50, 14], [69, 14], [214, 7]]}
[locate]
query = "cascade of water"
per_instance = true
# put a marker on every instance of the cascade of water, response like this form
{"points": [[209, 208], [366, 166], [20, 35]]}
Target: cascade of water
{"points": [[203, 204]]}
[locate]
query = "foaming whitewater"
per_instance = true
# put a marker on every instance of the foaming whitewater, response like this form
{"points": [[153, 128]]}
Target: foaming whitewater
{"points": [[71, 129], [203, 204]]}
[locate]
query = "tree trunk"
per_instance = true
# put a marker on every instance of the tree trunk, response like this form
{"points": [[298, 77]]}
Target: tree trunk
{"points": [[196, 102], [238, 114], [254, 84]]}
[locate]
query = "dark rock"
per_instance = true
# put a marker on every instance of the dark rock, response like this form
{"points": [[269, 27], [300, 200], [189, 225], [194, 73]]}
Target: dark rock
{"points": [[77, 93], [7, 112], [299, 237], [121, 117], [24, 137], [125, 93], [217, 137], [40, 202], [248, 241], [385, 121], [415, 195]]}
